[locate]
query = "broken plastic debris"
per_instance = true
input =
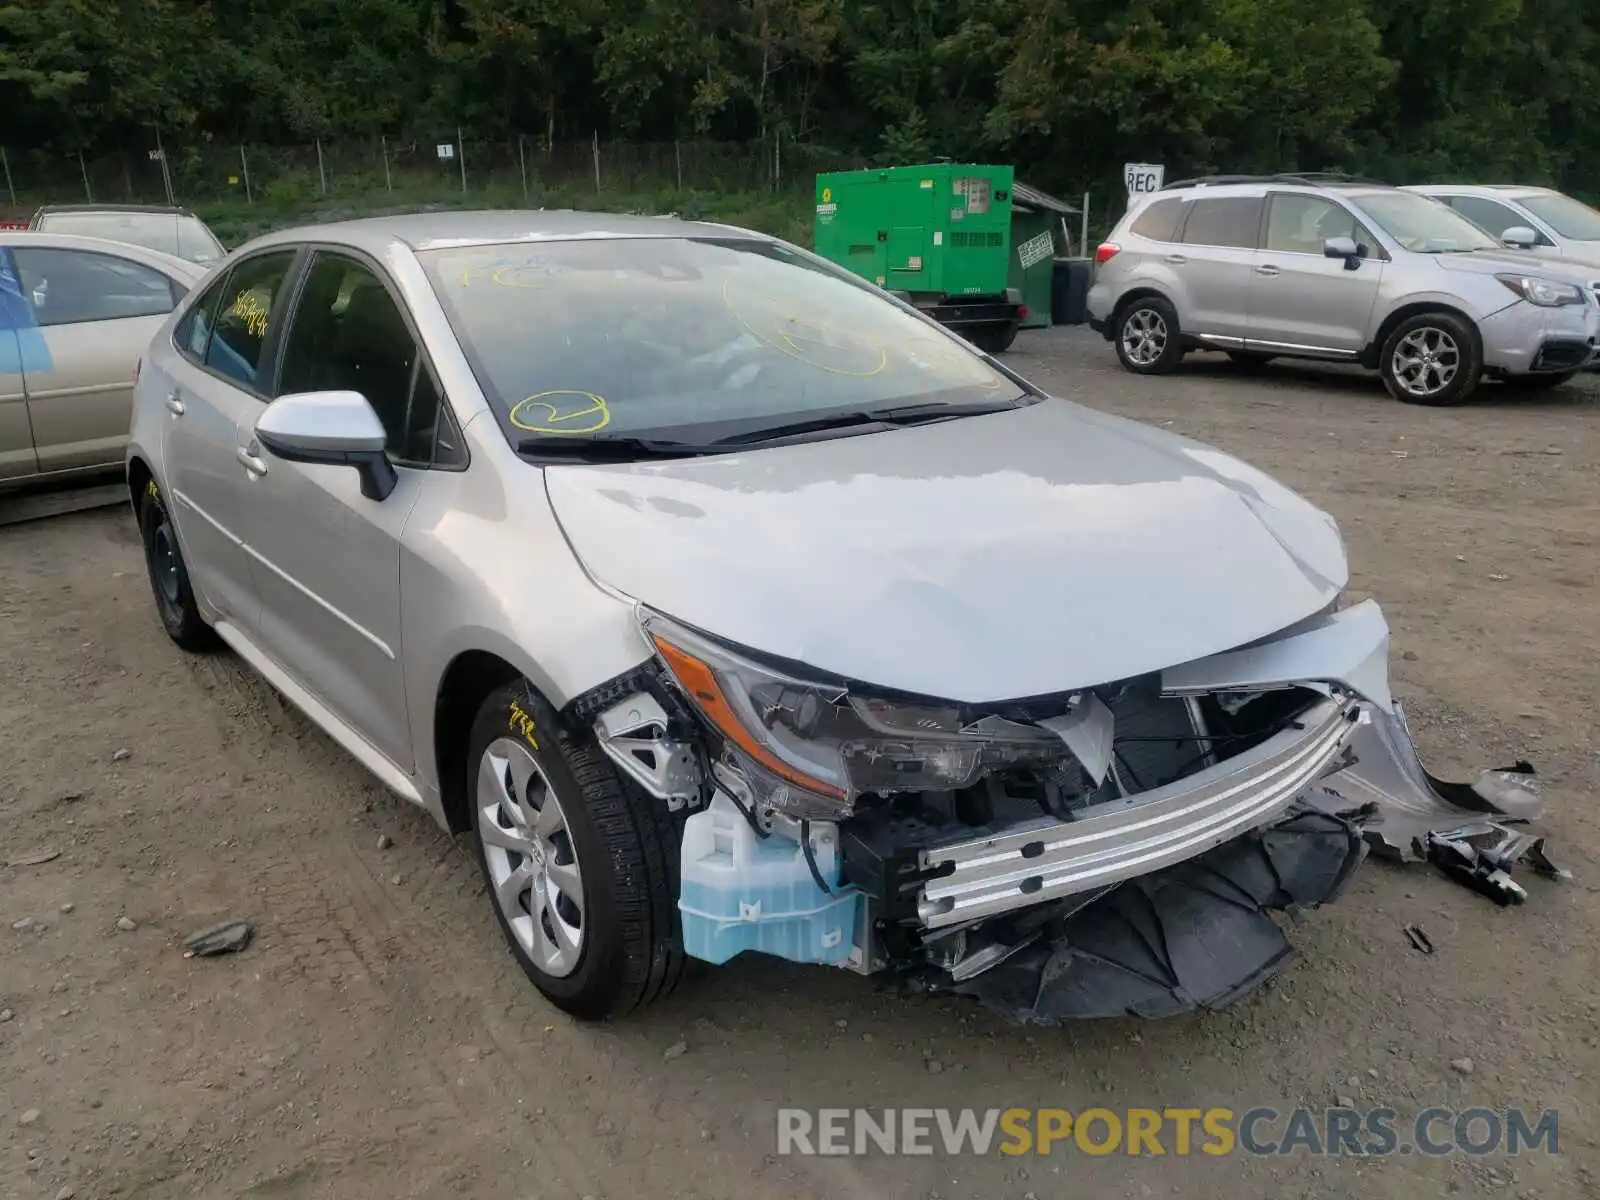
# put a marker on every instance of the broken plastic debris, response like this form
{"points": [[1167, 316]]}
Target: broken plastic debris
{"points": [[1419, 939], [35, 857], [227, 938], [1087, 729]]}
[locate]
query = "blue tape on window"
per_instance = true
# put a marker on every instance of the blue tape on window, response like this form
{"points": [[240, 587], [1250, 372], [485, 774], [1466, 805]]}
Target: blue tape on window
{"points": [[26, 351]]}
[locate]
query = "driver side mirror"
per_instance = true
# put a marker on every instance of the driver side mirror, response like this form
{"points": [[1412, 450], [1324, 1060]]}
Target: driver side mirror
{"points": [[1345, 248], [1520, 237], [331, 428]]}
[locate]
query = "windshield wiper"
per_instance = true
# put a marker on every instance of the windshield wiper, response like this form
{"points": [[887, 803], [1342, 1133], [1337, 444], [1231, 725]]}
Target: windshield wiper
{"points": [[619, 448], [902, 414]]}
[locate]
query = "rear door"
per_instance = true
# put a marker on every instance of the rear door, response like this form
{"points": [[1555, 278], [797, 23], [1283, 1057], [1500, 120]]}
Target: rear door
{"points": [[95, 314], [1214, 263], [16, 323], [1300, 299], [218, 378]]}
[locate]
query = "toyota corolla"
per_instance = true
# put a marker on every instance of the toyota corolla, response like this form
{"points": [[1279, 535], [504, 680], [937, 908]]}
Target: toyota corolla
{"points": [[732, 607]]}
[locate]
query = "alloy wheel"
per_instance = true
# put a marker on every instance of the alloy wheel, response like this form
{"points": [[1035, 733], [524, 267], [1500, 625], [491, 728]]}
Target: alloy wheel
{"points": [[1425, 360], [1144, 337], [532, 860]]}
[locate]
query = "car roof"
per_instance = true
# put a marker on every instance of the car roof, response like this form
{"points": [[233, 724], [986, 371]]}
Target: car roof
{"points": [[45, 240], [158, 209], [441, 230], [1473, 189], [1252, 184]]}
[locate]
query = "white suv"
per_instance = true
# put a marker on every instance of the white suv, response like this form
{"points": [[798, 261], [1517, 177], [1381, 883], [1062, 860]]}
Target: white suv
{"points": [[1542, 220], [1344, 270]]}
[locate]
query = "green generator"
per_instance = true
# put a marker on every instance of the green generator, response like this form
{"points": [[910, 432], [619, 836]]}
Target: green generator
{"points": [[938, 236]]}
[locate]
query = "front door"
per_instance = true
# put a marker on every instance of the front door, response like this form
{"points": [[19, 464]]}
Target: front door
{"points": [[325, 558], [1213, 265], [1301, 300], [213, 389], [95, 313]]}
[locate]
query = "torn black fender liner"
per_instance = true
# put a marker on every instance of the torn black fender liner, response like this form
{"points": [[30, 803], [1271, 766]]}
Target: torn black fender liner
{"points": [[1195, 936]]}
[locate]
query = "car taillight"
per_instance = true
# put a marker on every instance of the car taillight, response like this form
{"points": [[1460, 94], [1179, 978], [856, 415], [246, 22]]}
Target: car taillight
{"points": [[1106, 252], [1022, 312]]}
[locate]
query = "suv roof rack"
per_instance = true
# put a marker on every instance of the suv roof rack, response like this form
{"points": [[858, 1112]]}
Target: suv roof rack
{"points": [[1309, 178]]}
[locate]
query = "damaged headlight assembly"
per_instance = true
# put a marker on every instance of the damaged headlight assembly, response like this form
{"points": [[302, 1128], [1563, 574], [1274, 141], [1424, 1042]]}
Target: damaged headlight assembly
{"points": [[809, 750]]}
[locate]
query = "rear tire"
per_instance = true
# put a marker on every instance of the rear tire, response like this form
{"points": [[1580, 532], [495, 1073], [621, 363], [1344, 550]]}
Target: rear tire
{"points": [[1431, 358], [1537, 383], [169, 577], [1147, 336], [994, 341], [588, 904], [1250, 360]]}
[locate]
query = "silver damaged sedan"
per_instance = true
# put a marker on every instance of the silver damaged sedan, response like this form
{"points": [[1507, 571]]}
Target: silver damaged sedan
{"points": [[731, 606]]}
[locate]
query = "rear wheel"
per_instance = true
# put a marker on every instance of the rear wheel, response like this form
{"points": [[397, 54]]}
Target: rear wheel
{"points": [[1537, 383], [1147, 336], [1431, 358], [169, 577], [994, 340], [580, 867]]}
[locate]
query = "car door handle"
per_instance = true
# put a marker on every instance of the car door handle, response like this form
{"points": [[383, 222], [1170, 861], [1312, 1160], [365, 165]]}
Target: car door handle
{"points": [[175, 404], [1176, 260], [254, 465], [1267, 269]]}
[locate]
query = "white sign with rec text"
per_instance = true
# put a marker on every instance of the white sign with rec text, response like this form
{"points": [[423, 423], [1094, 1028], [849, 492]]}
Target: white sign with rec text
{"points": [[1143, 178]]}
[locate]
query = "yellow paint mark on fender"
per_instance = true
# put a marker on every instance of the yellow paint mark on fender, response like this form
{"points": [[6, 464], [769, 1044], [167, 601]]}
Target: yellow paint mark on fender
{"points": [[151, 490], [563, 412], [520, 720]]}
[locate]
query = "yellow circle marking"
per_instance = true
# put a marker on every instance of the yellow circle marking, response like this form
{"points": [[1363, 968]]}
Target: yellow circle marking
{"points": [[803, 332], [562, 417]]}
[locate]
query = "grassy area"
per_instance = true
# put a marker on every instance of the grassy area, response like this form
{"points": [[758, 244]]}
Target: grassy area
{"points": [[787, 215]]}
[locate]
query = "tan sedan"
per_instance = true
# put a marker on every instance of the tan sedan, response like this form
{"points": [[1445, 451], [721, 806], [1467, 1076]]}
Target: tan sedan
{"points": [[76, 315]]}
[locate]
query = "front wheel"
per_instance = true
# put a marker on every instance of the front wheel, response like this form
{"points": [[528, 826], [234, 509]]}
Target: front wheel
{"points": [[169, 577], [579, 866], [1147, 336], [994, 341], [1431, 358]]}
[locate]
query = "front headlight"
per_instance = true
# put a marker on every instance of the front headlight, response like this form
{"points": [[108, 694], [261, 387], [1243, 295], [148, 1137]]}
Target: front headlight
{"points": [[811, 749], [1546, 293]]}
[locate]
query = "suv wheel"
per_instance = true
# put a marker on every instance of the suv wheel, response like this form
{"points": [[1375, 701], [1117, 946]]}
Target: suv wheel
{"points": [[1431, 358], [581, 869], [1147, 336]]}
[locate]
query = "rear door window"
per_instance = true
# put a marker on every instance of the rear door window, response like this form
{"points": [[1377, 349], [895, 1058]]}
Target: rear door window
{"points": [[1231, 221], [1159, 221], [237, 348]]}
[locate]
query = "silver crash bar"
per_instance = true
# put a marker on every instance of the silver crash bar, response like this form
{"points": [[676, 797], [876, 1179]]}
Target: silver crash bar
{"points": [[1111, 842]]}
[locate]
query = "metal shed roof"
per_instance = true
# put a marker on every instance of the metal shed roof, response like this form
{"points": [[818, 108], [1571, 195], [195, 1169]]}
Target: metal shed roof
{"points": [[1023, 196]]}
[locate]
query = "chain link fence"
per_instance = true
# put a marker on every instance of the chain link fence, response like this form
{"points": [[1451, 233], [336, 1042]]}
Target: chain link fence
{"points": [[441, 166]]}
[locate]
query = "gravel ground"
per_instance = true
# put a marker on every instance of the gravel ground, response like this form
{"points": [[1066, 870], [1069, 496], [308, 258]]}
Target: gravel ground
{"points": [[377, 1041]]}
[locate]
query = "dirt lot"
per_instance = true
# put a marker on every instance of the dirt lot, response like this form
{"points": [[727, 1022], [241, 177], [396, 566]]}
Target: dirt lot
{"points": [[377, 1041]]}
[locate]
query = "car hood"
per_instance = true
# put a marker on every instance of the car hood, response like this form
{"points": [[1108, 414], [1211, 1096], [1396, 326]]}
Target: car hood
{"points": [[995, 557], [1498, 262]]}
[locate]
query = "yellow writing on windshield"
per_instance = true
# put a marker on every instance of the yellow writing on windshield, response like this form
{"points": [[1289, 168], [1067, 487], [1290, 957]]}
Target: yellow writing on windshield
{"points": [[249, 309], [561, 411]]}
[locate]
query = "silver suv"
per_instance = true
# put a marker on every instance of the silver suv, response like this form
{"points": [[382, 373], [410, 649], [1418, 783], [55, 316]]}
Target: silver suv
{"points": [[1344, 270], [1547, 222]]}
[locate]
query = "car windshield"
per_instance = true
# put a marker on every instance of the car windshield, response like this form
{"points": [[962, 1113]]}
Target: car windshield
{"points": [[1422, 225], [173, 233], [690, 339], [1568, 217]]}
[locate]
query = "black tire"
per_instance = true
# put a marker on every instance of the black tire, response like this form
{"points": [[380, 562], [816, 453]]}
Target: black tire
{"points": [[1537, 383], [625, 844], [994, 341], [1146, 334], [1454, 344], [169, 577], [1250, 359]]}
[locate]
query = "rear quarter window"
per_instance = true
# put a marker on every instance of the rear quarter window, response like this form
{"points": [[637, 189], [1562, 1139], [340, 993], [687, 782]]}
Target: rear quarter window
{"points": [[1159, 221]]}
